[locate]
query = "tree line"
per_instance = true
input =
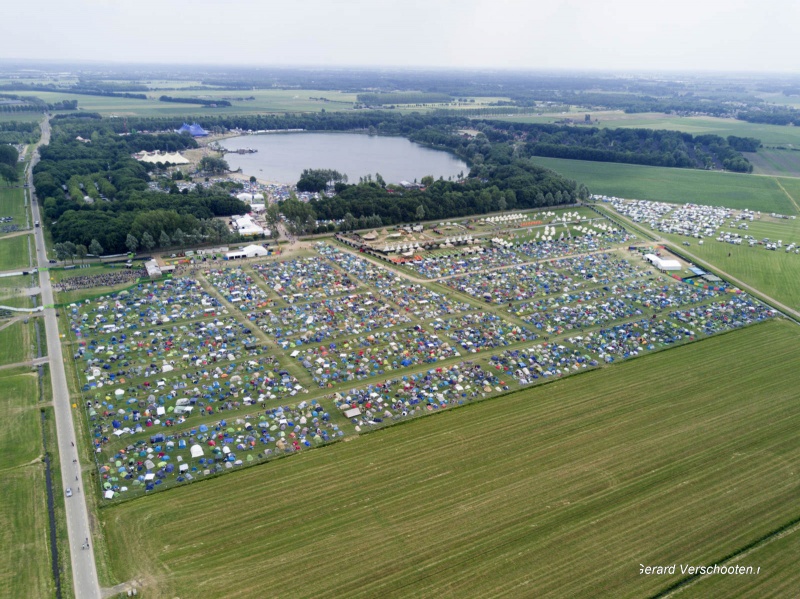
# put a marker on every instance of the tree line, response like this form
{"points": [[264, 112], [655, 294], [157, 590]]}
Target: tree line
{"points": [[201, 101], [121, 203]]}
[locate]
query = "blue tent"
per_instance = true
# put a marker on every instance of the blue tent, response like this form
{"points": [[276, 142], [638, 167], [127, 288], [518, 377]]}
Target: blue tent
{"points": [[194, 130]]}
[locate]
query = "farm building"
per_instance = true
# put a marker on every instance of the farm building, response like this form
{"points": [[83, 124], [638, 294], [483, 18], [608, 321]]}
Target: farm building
{"points": [[249, 251]]}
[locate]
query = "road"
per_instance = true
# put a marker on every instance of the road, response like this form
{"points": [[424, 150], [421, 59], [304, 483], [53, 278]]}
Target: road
{"points": [[84, 570]]}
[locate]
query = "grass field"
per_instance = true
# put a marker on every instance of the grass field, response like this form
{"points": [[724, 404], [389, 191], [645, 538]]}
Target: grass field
{"points": [[559, 491], [676, 185], [768, 134], [20, 441], [16, 342], [12, 203], [14, 253], [277, 100], [778, 162]]}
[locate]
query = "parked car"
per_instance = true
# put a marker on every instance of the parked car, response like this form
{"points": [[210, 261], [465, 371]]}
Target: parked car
{"points": [[69, 492]]}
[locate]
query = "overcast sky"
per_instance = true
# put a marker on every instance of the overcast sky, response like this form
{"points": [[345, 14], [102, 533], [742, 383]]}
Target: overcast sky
{"points": [[732, 35]]}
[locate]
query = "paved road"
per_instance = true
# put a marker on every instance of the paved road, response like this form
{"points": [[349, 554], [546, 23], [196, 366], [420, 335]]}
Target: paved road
{"points": [[84, 571]]}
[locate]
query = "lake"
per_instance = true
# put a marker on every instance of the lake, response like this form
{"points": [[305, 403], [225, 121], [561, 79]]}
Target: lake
{"points": [[281, 157]]}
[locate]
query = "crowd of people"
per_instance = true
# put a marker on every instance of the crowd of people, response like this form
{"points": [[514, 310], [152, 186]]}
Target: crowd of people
{"points": [[107, 279]]}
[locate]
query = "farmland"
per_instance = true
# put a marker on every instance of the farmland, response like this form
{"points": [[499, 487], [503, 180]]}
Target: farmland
{"points": [[676, 185], [263, 101], [777, 162], [563, 489], [23, 515]]}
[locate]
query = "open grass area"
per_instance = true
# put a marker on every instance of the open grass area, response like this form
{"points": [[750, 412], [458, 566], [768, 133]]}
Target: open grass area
{"points": [[773, 161], [25, 568], [12, 203], [676, 185], [14, 253], [17, 342], [775, 558], [272, 100], [20, 436], [696, 125], [562, 490]]}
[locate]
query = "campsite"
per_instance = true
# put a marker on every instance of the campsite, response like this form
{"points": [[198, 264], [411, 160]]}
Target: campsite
{"points": [[232, 365]]}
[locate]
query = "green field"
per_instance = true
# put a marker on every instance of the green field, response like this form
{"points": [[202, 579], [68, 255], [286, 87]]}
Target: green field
{"points": [[696, 125], [12, 203], [778, 162], [17, 341], [25, 562], [559, 491], [273, 100], [676, 185], [14, 252]]}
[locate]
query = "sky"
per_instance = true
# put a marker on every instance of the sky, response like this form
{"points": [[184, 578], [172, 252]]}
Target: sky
{"points": [[704, 35]]}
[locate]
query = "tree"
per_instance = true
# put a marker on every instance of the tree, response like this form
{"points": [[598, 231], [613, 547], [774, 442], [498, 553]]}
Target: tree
{"points": [[213, 165], [148, 242], [131, 243], [179, 237], [9, 173], [164, 240], [252, 179], [70, 249], [81, 251], [95, 248], [426, 181], [420, 212], [61, 252]]}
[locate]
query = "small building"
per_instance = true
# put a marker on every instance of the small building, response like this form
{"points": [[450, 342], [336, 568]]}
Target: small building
{"points": [[245, 226], [248, 251], [153, 269]]}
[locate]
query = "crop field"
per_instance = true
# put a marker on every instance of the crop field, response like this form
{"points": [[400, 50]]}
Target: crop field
{"points": [[770, 135], [777, 162], [683, 456], [676, 185], [264, 101]]}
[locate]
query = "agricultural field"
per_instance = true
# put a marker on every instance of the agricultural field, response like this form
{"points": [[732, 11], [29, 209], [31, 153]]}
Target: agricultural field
{"points": [[23, 515], [264, 101], [776, 162], [770, 135], [677, 185], [564, 489], [14, 252]]}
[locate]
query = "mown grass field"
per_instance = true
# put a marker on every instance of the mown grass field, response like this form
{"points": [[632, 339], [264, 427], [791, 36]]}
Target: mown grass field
{"points": [[14, 252], [559, 491], [25, 568], [676, 185], [12, 203], [777, 162], [775, 557], [17, 342]]}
